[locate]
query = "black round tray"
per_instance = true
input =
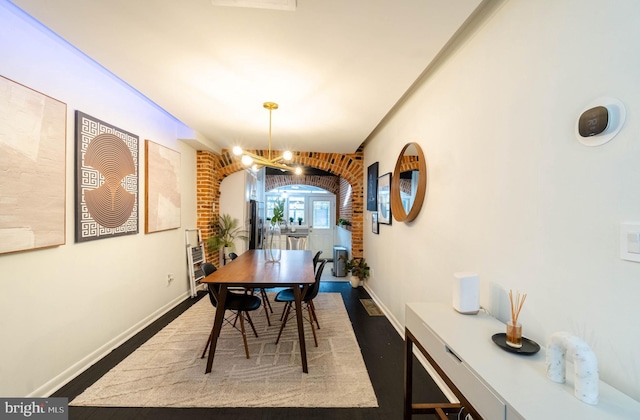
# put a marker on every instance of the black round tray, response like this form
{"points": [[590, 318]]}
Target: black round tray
{"points": [[528, 346]]}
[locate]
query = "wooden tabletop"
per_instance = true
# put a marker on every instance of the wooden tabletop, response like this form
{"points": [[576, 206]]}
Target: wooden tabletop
{"points": [[251, 269]]}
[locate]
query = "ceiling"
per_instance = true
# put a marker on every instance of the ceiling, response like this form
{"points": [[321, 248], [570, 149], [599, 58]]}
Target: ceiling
{"points": [[335, 67]]}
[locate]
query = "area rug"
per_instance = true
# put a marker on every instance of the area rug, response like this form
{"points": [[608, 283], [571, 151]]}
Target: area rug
{"points": [[167, 370]]}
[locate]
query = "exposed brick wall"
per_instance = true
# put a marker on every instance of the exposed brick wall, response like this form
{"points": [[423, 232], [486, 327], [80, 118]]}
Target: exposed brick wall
{"points": [[405, 186], [408, 163], [213, 168], [329, 183], [345, 202], [208, 193]]}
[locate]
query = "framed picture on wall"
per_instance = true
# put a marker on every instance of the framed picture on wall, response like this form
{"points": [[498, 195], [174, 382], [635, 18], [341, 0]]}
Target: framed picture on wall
{"points": [[372, 187], [374, 222], [162, 194], [33, 133], [106, 180], [384, 199]]}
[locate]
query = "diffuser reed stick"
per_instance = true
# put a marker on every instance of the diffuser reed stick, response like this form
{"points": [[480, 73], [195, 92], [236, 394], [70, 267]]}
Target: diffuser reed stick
{"points": [[514, 329], [516, 305]]}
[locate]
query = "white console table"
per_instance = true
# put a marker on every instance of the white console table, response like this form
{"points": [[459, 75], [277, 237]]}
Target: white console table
{"points": [[490, 382]]}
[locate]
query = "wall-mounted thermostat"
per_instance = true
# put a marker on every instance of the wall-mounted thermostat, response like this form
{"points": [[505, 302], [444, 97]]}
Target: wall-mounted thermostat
{"points": [[600, 121]]}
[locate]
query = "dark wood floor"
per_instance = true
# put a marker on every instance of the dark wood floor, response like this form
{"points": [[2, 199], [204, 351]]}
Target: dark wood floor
{"points": [[382, 351]]}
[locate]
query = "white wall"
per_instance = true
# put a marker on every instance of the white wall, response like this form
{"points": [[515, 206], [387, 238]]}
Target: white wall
{"points": [[342, 237], [233, 201], [62, 308], [511, 193]]}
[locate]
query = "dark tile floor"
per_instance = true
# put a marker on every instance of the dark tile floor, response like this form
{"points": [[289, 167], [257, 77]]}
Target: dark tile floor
{"points": [[382, 351]]}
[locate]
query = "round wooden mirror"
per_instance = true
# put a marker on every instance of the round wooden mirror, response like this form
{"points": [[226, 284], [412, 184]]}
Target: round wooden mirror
{"points": [[409, 183]]}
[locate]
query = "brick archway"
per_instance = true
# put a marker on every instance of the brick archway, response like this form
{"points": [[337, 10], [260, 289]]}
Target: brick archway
{"points": [[330, 183], [212, 168]]}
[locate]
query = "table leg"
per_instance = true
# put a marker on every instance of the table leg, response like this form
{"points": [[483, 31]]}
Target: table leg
{"points": [[297, 294], [217, 323], [439, 409]]}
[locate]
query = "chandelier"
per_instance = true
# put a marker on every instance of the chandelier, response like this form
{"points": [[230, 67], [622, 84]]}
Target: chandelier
{"points": [[256, 162]]}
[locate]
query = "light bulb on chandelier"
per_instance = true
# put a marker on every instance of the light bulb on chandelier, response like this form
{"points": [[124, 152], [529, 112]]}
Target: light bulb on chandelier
{"points": [[255, 162], [247, 160]]}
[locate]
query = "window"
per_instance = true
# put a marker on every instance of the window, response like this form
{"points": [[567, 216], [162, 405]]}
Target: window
{"points": [[295, 208], [321, 214], [271, 202], [297, 203]]}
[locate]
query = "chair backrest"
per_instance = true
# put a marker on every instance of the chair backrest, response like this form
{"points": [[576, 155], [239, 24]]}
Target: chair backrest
{"points": [[315, 260], [209, 268], [313, 290]]}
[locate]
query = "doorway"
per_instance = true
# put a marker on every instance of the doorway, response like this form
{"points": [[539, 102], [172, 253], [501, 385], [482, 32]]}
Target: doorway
{"points": [[311, 210], [321, 223]]}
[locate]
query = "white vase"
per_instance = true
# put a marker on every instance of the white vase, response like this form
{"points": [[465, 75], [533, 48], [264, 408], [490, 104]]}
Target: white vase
{"points": [[355, 281], [225, 254], [272, 248]]}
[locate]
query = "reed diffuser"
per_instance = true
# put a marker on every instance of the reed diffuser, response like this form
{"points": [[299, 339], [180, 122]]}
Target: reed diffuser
{"points": [[514, 329]]}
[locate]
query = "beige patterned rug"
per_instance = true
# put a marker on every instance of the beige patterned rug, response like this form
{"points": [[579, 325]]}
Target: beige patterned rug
{"points": [[167, 370]]}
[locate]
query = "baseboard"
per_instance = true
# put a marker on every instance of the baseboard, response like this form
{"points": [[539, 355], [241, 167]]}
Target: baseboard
{"points": [[76, 369], [423, 361], [394, 322]]}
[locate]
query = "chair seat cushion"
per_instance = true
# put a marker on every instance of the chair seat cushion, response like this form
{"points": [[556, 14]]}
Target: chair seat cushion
{"points": [[242, 302], [285, 296]]}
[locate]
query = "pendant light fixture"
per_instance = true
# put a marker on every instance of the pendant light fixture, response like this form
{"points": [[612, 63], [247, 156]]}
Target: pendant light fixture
{"points": [[256, 162]]}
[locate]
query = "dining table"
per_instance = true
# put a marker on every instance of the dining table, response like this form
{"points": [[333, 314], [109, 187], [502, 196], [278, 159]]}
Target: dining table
{"points": [[252, 269]]}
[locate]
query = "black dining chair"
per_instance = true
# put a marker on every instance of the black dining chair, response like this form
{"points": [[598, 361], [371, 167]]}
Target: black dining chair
{"points": [[316, 258], [238, 304], [263, 293], [307, 300]]}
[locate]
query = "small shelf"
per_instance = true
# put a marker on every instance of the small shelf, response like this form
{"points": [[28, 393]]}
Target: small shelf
{"points": [[195, 258]]}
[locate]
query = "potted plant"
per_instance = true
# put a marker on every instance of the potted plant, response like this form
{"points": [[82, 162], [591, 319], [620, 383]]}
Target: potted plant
{"points": [[358, 268], [227, 230], [278, 212], [299, 221], [344, 223]]}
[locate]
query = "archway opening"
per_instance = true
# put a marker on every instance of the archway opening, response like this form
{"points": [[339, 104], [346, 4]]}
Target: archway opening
{"points": [[347, 171]]}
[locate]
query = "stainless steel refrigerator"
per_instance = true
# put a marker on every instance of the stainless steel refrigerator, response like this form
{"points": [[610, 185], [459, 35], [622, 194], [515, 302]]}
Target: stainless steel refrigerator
{"points": [[256, 224]]}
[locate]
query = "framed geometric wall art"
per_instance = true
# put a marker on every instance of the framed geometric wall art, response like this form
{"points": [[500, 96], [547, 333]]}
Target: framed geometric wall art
{"points": [[162, 193], [106, 180], [372, 187], [33, 131]]}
